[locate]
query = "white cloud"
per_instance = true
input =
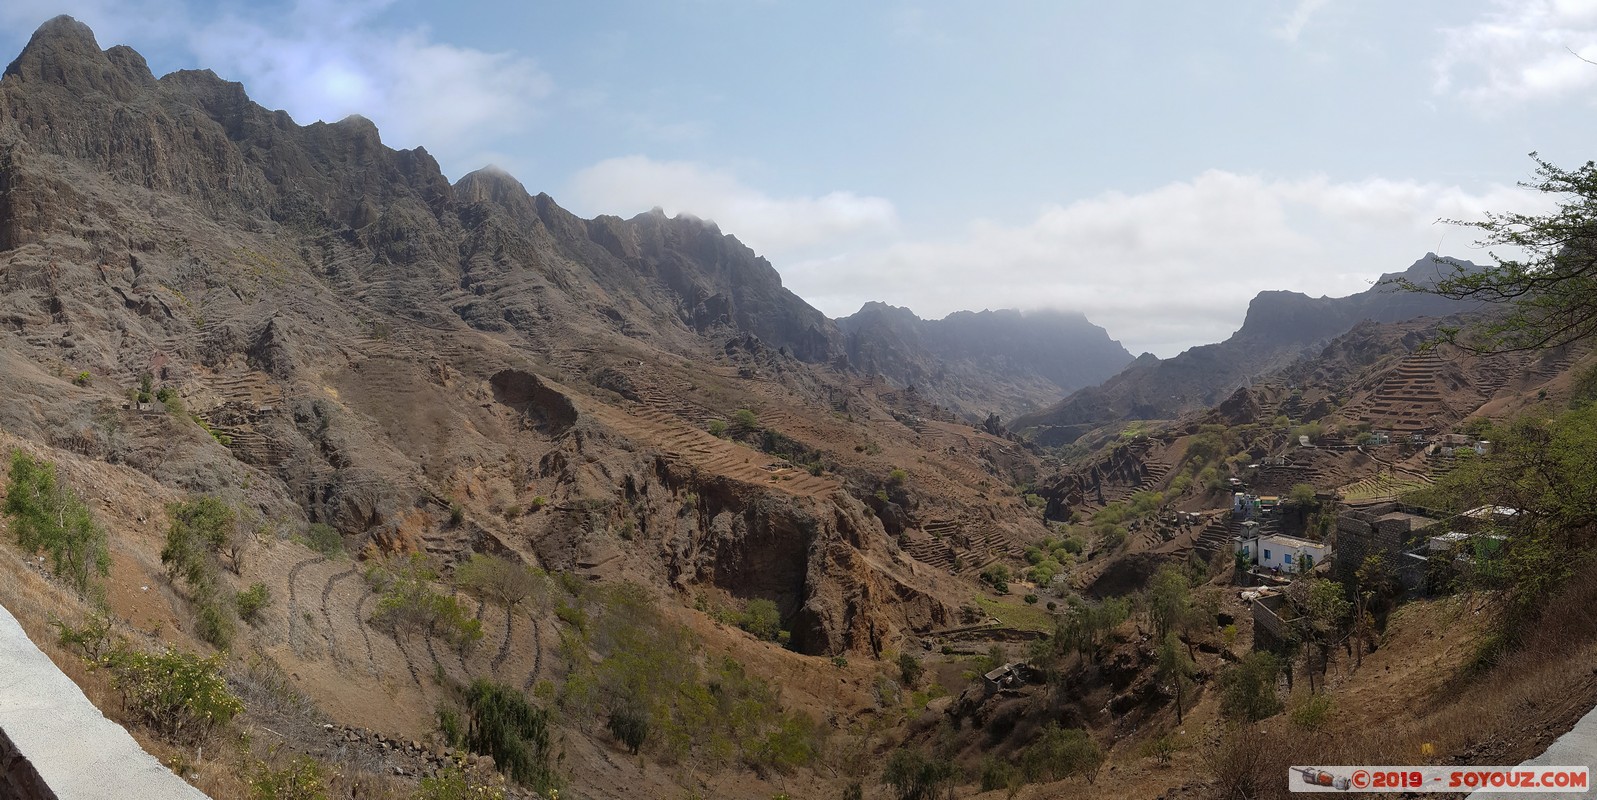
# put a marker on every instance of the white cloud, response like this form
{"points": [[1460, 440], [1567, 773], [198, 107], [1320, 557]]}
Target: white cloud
{"points": [[1293, 27], [1522, 50], [779, 227], [326, 60], [1167, 268]]}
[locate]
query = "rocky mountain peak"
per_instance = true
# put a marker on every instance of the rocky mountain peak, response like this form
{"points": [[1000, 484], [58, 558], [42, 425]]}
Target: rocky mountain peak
{"points": [[64, 53]]}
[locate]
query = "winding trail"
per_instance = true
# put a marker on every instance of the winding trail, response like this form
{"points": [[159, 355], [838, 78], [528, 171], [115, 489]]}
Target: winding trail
{"points": [[504, 645], [537, 658], [360, 624], [293, 597], [410, 663], [327, 614]]}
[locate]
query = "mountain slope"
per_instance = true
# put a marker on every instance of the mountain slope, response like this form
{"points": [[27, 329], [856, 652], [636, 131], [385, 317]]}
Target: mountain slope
{"points": [[1280, 327], [337, 334], [977, 363]]}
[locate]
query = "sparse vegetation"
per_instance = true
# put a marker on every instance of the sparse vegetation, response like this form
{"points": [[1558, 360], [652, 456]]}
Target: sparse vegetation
{"points": [[324, 539], [302, 778], [202, 530], [181, 696], [913, 775], [408, 602], [629, 663], [504, 725], [252, 601], [1248, 687], [47, 515]]}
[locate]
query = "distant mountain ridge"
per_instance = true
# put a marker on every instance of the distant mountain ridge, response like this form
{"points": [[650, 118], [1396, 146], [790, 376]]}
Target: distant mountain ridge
{"points": [[1006, 362], [1280, 327]]}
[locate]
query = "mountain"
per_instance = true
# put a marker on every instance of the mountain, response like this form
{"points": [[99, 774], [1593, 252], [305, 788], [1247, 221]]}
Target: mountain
{"points": [[200, 296], [976, 363], [1280, 327]]}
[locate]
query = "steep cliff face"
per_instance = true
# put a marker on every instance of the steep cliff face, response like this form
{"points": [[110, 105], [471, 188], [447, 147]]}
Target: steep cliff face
{"points": [[1280, 327], [348, 338], [976, 363]]}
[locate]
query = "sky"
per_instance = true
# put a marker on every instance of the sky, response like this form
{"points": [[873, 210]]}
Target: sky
{"points": [[1151, 164]]}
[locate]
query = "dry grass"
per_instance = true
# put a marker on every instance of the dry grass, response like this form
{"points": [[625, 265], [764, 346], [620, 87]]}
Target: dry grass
{"points": [[1504, 715]]}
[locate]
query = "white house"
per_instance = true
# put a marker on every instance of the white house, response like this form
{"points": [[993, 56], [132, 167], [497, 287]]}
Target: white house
{"points": [[1282, 552]]}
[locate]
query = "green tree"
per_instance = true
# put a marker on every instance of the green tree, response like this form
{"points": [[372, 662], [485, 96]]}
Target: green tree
{"points": [[629, 723], [910, 669], [1549, 294], [913, 775], [504, 725], [1061, 753], [746, 420], [762, 618], [202, 528], [47, 515], [1248, 687], [1323, 614], [1175, 669], [501, 581], [1169, 599]]}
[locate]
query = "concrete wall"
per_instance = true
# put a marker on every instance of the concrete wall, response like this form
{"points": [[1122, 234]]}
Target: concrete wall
{"points": [[71, 750]]}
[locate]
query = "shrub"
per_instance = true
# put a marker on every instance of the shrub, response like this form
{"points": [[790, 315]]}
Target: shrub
{"points": [[182, 696], [82, 379], [213, 622], [629, 724], [1248, 691], [1031, 599], [1238, 763], [504, 725], [717, 427], [324, 539], [91, 640], [915, 776], [409, 602], [455, 783], [898, 477], [49, 516], [457, 515], [1061, 753], [996, 576], [1311, 712], [746, 420], [252, 601], [762, 619], [537, 503], [997, 774], [1160, 748], [302, 779], [910, 669]]}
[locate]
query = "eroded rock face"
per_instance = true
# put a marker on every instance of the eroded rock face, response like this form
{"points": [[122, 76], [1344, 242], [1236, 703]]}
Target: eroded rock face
{"points": [[348, 338]]}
